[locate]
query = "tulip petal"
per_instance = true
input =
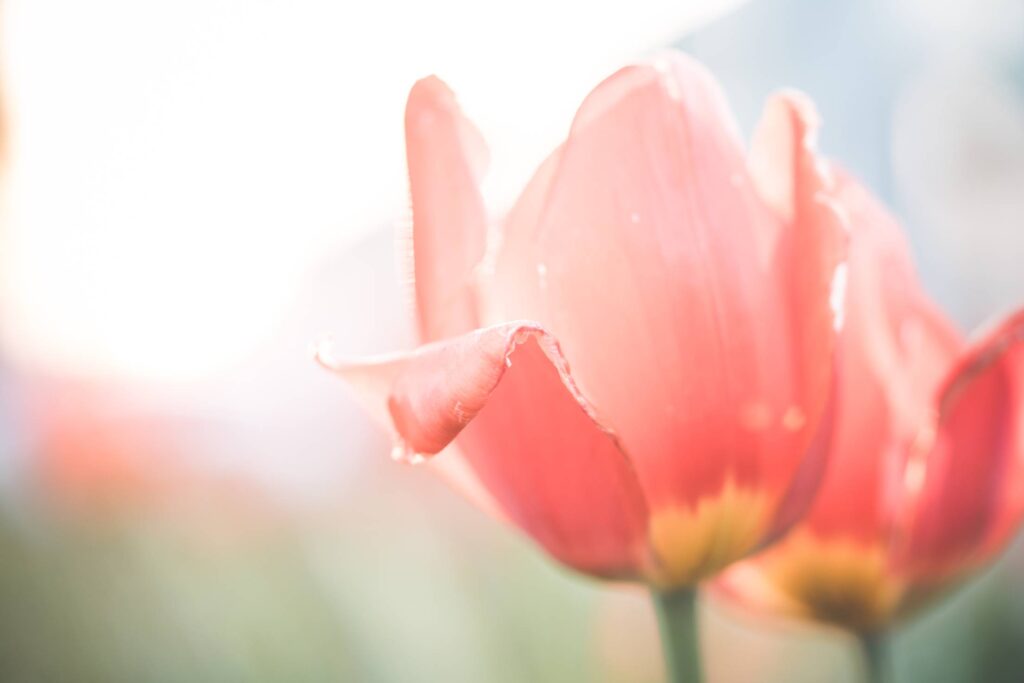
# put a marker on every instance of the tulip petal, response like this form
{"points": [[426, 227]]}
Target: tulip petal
{"points": [[528, 434], [517, 247], [643, 262], [967, 491], [446, 157], [895, 350], [808, 252]]}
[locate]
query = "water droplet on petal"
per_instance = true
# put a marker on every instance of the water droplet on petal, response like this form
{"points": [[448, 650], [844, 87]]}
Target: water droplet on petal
{"points": [[542, 275], [634, 217], [837, 296], [924, 440], [401, 452], [398, 451], [793, 419], [913, 476]]}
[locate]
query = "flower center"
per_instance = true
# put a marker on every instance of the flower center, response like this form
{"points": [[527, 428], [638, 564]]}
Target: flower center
{"points": [[693, 543]]}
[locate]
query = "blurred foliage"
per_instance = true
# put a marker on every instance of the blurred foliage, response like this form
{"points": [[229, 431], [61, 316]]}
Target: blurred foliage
{"points": [[407, 583], [375, 592]]}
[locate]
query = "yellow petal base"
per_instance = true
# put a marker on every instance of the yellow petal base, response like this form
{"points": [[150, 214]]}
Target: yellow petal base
{"points": [[694, 543], [843, 582]]}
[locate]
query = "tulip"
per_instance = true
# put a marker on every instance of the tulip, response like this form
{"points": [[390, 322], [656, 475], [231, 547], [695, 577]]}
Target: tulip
{"points": [[635, 367], [925, 482]]}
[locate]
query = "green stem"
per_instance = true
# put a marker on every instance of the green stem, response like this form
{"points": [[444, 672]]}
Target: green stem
{"points": [[680, 643], [875, 650]]}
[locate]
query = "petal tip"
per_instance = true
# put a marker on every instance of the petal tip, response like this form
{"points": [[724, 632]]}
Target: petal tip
{"points": [[426, 94], [988, 346], [675, 77]]}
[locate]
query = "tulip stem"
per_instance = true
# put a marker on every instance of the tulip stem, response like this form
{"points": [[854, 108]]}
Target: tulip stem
{"points": [[875, 650], [680, 642]]}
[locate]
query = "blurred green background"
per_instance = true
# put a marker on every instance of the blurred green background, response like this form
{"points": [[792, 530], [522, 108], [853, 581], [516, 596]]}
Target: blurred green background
{"points": [[406, 583]]}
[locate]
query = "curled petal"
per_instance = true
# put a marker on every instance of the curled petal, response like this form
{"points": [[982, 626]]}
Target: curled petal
{"points": [[505, 397], [371, 381], [967, 489], [446, 157]]}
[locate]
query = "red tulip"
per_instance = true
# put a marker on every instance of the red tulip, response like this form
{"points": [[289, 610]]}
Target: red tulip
{"points": [[926, 473], [636, 370]]}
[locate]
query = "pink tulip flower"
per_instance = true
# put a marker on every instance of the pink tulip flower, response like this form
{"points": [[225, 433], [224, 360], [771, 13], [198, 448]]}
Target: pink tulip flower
{"points": [[634, 367], [926, 473]]}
